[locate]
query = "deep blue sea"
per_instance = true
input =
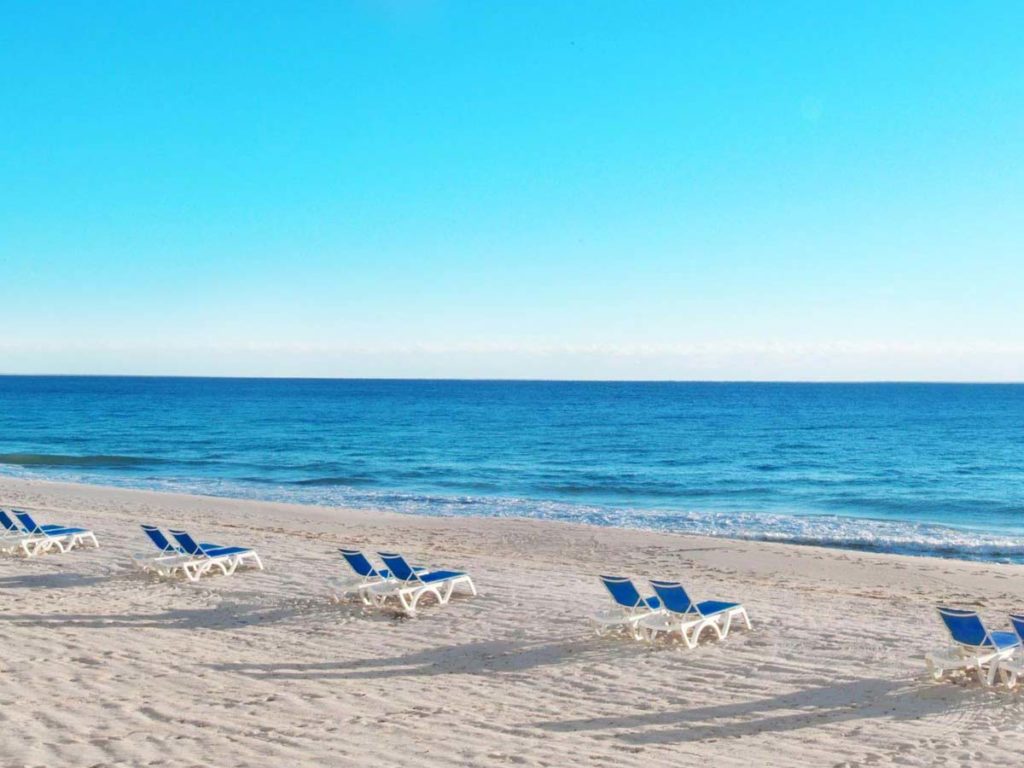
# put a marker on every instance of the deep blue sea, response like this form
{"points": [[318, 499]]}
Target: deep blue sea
{"points": [[916, 468]]}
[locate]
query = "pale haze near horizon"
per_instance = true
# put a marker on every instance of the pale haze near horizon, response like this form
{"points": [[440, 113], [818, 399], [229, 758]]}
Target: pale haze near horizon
{"points": [[672, 191]]}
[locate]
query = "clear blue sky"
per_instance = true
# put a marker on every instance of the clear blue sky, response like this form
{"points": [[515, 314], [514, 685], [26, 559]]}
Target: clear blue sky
{"points": [[527, 189]]}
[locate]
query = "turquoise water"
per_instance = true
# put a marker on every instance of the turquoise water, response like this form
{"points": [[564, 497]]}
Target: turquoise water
{"points": [[928, 469]]}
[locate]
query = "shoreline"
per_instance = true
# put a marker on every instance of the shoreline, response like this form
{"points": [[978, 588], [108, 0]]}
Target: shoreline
{"points": [[831, 674], [326, 515], [968, 545]]}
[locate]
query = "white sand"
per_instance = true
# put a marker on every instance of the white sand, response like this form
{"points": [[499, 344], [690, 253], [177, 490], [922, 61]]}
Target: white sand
{"points": [[102, 665]]}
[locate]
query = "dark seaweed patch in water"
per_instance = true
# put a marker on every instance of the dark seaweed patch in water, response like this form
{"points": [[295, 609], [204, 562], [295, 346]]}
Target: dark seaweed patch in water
{"points": [[342, 480], [60, 460]]}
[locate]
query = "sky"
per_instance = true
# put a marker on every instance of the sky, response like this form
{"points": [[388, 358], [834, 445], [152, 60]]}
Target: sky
{"points": [[585, 190]]}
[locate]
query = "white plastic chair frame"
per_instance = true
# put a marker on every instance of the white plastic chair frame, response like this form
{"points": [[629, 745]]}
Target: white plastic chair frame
{"points": [[410, 591]]}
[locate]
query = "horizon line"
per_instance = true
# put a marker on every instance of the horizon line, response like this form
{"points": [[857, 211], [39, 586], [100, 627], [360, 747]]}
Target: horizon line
{"points": [[946, 382]]}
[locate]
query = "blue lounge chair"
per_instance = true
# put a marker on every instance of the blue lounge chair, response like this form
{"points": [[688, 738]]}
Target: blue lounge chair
{"points": [[227, 559], [15, 539], [63, 538], [688, 618], [367, 573], [409, 586], [628, 606], [166, 559], [974, 648]]}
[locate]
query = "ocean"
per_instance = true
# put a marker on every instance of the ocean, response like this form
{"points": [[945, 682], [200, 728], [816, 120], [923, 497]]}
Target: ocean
{"points": [[930, 469]]}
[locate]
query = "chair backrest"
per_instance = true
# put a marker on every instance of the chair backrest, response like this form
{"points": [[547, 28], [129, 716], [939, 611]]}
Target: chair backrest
{"points": [[358, 562], [399, 568], [157, 537], [673, 596], [965, 627], [622, 591], [1017, 621], [27, 521], [187, 542], [7, 523]]}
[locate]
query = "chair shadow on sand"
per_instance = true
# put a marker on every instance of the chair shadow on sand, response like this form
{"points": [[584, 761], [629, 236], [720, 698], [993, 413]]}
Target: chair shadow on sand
{"points": [[486, 657], [60, 580], [868, 699], [230, 616]]}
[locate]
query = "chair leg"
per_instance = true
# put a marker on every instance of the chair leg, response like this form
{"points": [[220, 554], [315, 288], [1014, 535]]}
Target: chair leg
{"points": [[990, 676], [207, 566], [638, 632], [1007, 677], [446, 595], [695, 633], [726, 624], [409, 608], [689, 640], [46, 545]]}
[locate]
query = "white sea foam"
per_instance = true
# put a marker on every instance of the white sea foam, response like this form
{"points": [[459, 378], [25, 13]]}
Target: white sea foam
{"points": [[842, 531]]}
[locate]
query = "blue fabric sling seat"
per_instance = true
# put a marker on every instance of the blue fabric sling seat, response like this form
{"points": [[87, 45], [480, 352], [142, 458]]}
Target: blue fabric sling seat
{"points": [[168, 559], [625, 594], [967, 629], [628, 606], [975, 648], [32, 527], [161, 542]]}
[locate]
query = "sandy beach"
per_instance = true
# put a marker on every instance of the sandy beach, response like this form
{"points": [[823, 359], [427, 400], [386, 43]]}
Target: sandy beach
{"points": [[105, 666]]}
